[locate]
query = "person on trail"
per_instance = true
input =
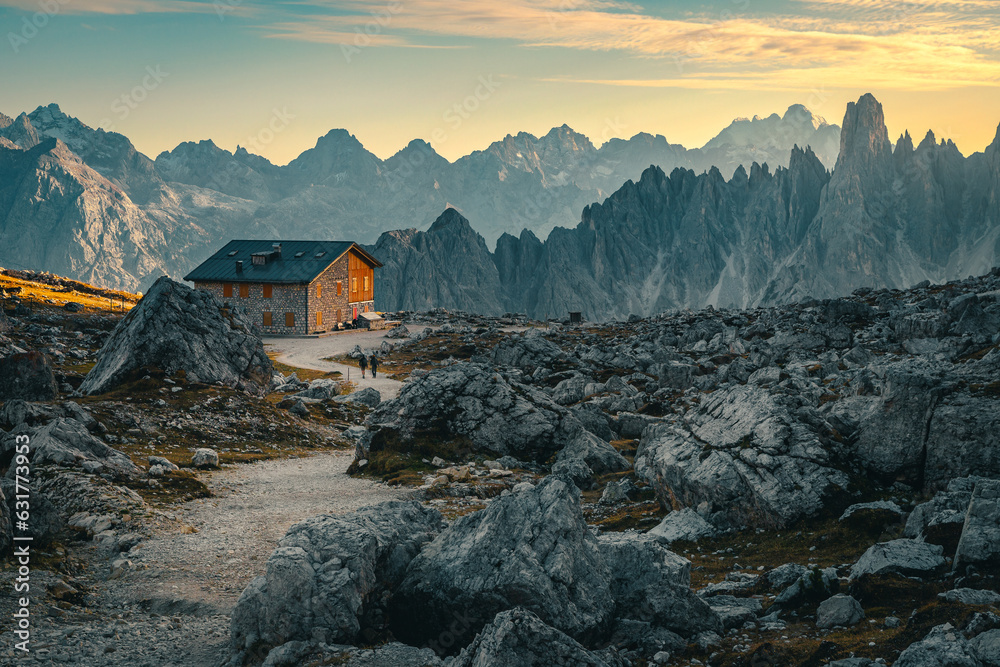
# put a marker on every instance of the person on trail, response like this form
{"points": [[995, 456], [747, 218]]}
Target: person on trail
{"points": [[374, 364], [363, 362]]}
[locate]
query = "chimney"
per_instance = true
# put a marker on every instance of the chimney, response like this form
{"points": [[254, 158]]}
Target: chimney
{"points": [[239, 266], [276, 248]]}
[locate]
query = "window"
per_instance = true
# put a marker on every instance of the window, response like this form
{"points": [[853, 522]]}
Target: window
{"points": [[354, 284], [319, 319], [366, 307], [227, 290], [289, 319], [244, 290], [339, 287], [267, 319], [233, 253], [340, 315], [319, 291], [366, 283], [267, 291]]}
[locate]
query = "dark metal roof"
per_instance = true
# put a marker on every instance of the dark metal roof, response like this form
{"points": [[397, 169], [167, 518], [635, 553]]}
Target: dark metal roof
{"points": [[300, 261]]}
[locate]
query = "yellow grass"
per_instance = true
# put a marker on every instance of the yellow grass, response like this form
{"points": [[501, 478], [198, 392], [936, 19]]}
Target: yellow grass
{"points": [[93, 299]]}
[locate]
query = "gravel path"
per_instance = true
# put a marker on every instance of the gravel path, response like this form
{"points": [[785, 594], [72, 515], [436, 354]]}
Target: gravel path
{"points": [[173, 607], [309, 353]]}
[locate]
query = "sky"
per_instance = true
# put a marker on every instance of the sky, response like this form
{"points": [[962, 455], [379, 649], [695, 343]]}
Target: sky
{"points": [[275, 76]]}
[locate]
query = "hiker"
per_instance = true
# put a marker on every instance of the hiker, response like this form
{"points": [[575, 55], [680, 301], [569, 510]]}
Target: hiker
{"points": [[363, 362], [374, 364]]}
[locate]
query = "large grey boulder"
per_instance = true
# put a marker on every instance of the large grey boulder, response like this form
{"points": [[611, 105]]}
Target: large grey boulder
{"points": [[980, 541], [748, 453], [683, 524], [529, 350], [27, 376], [326, 579], [518, 638], [941, 519], [986, 647], [651, 583], [944, 646], [531, 549], [369, 397], [298, 653], [470, 402], [67, 442], [927, 430], [906, 557], [599, 456], [734, 612], [176, 328], [840, 610]]}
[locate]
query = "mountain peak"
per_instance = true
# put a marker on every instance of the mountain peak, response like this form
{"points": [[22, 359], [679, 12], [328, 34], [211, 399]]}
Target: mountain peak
{"points": [[929, 140], [450, 219], [864, 139]]}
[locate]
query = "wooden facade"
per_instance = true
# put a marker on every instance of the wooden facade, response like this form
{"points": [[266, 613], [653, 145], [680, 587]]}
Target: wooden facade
{"points": [[341, 290]]}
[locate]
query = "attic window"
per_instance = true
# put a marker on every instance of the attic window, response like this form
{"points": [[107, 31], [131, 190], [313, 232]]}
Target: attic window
{"points": [[233, 253], [320, 254], [300, 253]]}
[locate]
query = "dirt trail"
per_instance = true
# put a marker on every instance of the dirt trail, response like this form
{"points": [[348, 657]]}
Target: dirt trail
{"points": [[179, 595], [310, 352]]}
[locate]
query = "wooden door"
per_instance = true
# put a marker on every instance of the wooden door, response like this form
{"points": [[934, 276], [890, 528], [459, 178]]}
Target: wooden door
{"points": [[289, 319]]}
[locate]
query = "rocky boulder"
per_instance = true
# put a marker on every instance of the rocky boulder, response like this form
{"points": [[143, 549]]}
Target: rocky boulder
{"points": [[27, 376], [757, 457], [980, 540], [944, 646], [842, 610], [683, 524], [941, 519], [369, 397], [906, 557], [67, 442], [529, 549], [529, 350], [205, 458], [651, 583], [326, 580], [176, 328], [470, 402], [518, 637]]}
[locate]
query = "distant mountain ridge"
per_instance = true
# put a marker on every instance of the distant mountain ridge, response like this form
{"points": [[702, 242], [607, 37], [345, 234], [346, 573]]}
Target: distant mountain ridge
{"points": [[197, 194], [882, 218], [83, 202]]}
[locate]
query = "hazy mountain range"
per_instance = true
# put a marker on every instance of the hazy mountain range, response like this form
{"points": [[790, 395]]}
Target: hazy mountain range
{"points": [[885, 217], [83, 202]]}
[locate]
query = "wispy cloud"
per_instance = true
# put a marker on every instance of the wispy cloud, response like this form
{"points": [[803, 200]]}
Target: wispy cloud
{"points": [[924, 43], [117, 7]]}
